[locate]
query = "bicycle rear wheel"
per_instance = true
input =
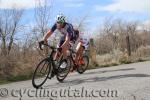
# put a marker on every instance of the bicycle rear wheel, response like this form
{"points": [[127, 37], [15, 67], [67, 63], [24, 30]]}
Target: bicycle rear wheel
{"points": [[41, 73], [83, 64]]}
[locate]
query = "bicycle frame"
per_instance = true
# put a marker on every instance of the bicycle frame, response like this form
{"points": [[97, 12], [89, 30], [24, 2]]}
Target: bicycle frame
{"points": [[72, 58], [51, 54]]}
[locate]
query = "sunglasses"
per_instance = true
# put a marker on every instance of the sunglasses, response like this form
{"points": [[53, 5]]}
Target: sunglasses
{"points": [[60, 22]]}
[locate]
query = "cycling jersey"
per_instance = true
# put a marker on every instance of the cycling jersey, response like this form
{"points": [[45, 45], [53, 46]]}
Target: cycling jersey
{"points": [[83, 40], [67, 30]]}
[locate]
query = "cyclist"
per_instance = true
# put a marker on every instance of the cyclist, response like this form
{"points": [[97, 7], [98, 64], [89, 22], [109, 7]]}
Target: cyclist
{"points": [[68, 34], [83, 44]]}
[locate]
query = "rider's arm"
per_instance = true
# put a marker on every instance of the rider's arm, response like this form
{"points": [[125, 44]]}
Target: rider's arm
{"points": [[48, 34]]}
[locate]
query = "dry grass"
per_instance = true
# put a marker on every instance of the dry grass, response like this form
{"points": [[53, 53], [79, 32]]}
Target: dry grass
{"points": [[20, 67], [117, 57], [16, 67]]}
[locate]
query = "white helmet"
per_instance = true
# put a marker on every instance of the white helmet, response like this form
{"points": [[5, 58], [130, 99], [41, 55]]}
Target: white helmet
{"points": [[60, 18]]}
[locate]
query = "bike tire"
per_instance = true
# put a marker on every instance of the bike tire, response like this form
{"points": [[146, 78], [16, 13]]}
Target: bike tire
{"points": [[67, 69], [48, 69], [82, 68]]}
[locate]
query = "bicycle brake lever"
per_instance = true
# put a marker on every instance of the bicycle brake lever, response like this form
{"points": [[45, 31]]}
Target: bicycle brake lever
{"points": [[40, 45]]}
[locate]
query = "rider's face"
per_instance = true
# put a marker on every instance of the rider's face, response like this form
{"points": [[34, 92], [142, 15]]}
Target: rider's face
{"points": [[59, 25]]}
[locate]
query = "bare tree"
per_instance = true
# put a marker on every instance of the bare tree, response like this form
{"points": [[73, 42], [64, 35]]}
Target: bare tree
{"points": [[9, 26], [42, 19], [118, 34], [131, 37], [42, 16], [82, 23]]}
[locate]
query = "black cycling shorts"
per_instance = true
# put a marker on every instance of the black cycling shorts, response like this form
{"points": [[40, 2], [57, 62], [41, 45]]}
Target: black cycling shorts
{"points": [[62, 40]]}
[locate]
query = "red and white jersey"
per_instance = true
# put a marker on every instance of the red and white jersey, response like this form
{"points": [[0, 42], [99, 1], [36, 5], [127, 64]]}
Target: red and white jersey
{"points": [[83, 40]]}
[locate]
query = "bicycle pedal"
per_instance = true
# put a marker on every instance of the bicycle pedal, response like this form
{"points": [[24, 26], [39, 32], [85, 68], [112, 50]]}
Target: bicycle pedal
{"points": [[73, 69], [52, 76]]}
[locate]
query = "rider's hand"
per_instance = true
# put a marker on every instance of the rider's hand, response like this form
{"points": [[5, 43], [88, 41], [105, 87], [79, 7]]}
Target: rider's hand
{"points": [[42, 42]]}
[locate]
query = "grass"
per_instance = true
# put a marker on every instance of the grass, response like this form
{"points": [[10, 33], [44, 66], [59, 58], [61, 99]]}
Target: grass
{"points": [[2, 81], [17, 78], [145, 58], [101, 64]]}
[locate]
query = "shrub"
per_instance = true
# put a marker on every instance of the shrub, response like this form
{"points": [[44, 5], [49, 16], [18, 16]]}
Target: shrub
{"points": [[143, 51]]}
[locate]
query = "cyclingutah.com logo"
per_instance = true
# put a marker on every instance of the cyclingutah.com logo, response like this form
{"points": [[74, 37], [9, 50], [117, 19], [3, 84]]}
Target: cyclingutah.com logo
{"points": [[68, 92], [3, 92]]}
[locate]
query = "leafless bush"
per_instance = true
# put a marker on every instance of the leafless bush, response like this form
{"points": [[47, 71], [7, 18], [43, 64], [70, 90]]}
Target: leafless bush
{"points": [[9, 26], [114, 33], [124, 37], [143, 51]]}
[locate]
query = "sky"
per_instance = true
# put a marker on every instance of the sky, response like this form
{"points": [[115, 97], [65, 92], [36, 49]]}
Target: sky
{"points": [[95, 10]]}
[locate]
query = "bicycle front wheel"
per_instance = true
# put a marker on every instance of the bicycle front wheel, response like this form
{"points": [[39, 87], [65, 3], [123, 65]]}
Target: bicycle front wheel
{"points": [[63, 69], [41, 73]]}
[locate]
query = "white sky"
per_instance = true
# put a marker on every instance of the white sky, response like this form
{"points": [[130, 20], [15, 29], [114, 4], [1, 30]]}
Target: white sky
{"points": [[23, 4], [126, 6]]}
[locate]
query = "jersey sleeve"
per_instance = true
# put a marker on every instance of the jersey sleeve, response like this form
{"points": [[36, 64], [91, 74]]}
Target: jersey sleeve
{"points": [[70, 31], [53, 27]]}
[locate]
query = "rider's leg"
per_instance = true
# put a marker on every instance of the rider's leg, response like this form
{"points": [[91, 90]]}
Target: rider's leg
{"points": [[58, 53], [63, 51], [65, 46], [56, 56], [79, 51]]}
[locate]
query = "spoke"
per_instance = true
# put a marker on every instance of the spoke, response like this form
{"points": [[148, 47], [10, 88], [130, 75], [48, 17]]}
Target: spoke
{"points": [[42, 67]]}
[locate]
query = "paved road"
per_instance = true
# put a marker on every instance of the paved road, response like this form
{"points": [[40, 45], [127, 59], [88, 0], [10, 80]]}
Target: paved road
{"points": [[123, 82]]}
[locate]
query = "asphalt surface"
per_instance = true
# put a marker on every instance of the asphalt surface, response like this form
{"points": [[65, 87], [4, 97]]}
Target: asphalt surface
{"points": [[123, 82]]}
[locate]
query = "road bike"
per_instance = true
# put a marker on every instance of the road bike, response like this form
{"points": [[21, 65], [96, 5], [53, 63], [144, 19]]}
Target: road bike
{"points": [[48, 68], [80, 66]]}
